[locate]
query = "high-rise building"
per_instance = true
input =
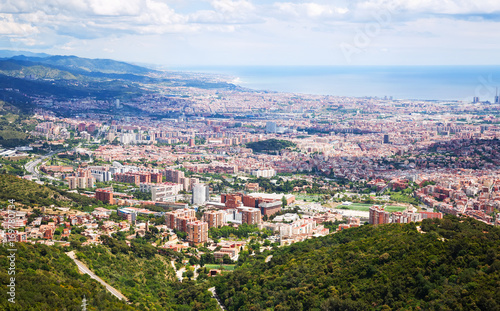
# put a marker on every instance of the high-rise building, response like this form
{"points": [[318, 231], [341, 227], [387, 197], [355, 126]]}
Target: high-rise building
{"points": [[378, 215], [174, 176], [201, 194], [156, 177], [251, 216], [104, 196], [271, 127], [81, 127], [197, 232], [475, 100], [386, 139], [213, 218], [91, 128], [179, 219]]}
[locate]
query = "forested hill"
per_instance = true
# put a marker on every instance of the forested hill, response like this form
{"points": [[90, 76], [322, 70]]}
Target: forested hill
{"points": [[453, 265], [47, 279]]}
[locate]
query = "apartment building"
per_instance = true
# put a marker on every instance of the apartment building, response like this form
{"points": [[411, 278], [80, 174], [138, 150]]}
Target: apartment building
{"points": [[197, 232]]}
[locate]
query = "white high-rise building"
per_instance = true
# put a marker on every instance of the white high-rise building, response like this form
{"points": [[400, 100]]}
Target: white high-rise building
{"points": [[271, 127], [201, 193]]}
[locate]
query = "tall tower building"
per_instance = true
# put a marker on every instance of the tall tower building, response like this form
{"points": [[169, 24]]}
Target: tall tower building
{"points": [[386, 139], [271, 127], [200, 194]]}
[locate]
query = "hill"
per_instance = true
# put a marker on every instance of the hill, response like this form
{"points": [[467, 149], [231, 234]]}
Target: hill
{"points": [[145, 277], [10, 53], [270, 145], [13, 126], [47, 279], [453, 265], [65, 78], [23, 69], [86, 64], [32, 194]]}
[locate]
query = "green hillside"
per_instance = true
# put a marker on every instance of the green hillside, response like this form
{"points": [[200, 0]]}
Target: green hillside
{"points": [[270, 145], [32, 70], [30, 193], [455, 265], [47, 279], [88, 65], [13, 127], [146, 278]]}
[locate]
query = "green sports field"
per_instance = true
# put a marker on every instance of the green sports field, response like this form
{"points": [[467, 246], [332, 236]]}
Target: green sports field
{"points": [[226, 267], [366, 207]]}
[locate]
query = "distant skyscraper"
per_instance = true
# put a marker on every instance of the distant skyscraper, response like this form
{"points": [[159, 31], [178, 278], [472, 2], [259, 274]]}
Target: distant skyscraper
{"points": [[475, 100], [386, 139], [271, 127], [117, 103], [497, 98]]}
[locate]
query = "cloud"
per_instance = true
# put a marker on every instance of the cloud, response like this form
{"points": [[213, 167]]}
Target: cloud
{"points": [[227, 12], [8, 26], [443, 7], [310, 9], [284, 25]]}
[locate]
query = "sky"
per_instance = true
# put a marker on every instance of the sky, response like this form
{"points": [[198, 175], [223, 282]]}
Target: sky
{"points": [[256, 32]]}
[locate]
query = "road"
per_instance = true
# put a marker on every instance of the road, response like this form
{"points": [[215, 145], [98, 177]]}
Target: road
{"points": [[32, 168], [214, 295], [83, 268]]}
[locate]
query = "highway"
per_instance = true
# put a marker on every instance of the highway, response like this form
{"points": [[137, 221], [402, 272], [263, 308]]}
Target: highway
{"points": [[32, 168], [83, 268]]}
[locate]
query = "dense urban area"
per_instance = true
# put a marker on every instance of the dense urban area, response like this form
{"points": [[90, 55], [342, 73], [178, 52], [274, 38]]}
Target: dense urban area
{"points": [[187, 192]]}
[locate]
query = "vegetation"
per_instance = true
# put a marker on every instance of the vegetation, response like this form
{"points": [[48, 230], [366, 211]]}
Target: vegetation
{"points": [[454, 265], [13, 127], [32, 194], [148, 281], [270, 145], [243, 231], [27, 192], [47, 279]]}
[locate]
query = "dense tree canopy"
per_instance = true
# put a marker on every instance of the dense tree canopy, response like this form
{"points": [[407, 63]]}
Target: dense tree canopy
{"points": [[454, 265], [47, 279]]}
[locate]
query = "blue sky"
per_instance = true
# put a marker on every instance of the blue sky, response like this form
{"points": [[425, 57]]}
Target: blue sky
{"points": [[257, 32]]}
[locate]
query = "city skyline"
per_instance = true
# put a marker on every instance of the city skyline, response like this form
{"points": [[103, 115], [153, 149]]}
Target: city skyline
{"points": [[223, 32]]}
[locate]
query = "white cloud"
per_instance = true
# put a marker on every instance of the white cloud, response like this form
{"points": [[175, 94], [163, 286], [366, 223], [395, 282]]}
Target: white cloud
{"points": [[229, 6], [307, 26], [8, 26], [434, 7], [310, 9]]}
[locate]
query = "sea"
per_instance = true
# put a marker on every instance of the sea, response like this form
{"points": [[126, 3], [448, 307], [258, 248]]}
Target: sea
{"points": [[441, 83]]}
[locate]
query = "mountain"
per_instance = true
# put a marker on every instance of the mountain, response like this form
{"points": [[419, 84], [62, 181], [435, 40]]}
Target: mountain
{"points": [[10, 53], [31, 70], [86, 64], [23, 79], [47, 279], [452, 264]]}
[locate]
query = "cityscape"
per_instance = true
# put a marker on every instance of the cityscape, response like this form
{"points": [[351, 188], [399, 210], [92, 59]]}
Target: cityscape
{"points": [[133, 185]]}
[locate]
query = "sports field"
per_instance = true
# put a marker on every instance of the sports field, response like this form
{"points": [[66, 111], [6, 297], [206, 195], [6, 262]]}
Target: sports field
{"points": [[366, 207], [225, 267]]}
